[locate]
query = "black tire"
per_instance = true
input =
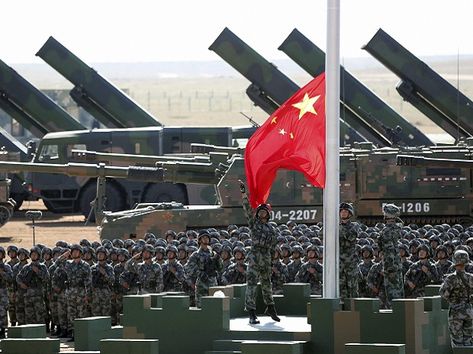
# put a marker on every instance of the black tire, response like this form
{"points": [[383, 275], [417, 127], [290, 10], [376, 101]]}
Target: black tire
{"points": [[5, 215], [115, 200], [165, 192]]}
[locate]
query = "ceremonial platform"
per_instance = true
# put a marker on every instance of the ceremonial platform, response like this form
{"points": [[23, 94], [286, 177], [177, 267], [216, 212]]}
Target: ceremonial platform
{"points": [[164, 323]]}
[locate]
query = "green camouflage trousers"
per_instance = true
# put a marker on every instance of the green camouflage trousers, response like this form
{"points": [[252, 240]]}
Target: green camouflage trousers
{"points": [[3, 308], [101, 302], [20, 306], [76, 305], [35, 308], [460, 325], [349, 283], [259, 267], [202, 289], [12, 305], [62, 309]]}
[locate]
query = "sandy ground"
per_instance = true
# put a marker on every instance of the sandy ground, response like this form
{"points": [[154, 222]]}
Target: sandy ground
{"points": [[50, 228]]}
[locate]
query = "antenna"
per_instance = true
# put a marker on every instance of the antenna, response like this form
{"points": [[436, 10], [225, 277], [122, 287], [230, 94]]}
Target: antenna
{"points": [[458, 94]]}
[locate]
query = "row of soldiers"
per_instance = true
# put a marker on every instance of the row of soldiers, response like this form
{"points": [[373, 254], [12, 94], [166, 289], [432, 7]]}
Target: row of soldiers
{"points": [[67, 282]]}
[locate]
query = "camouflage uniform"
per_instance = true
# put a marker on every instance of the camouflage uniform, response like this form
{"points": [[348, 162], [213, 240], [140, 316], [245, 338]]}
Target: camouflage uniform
{"points": [[364, 268], [58, 298], [349, 274], [102, 283], [416, 275], [12, 289], [79, 279], [174, 275], [293, 268], [312, 273], [19, 294], [279, 276], [388, 243], [203, 266], [456, 289], [264, 237], [235, 274], [150, 275], [375, 281], [6, 277], [36, 281]]}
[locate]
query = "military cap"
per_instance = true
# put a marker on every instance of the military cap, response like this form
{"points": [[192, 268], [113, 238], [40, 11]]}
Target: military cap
{"points": [[461, 257], [348, 207], [391, 211]]}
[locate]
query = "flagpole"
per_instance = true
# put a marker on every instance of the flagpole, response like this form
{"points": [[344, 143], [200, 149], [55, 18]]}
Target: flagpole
{"points": [[332, 131]]}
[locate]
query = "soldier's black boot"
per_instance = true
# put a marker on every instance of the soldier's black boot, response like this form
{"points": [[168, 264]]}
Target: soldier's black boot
{"points": [[48, 327], [57, 331], [71, 336], [13, 324], [253, 318], [2, 333], [63, 334], [271, 311]]}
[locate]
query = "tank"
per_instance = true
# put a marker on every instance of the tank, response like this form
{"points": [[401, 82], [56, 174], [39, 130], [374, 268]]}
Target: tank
{"points": [[423, 87], [379, 118], [269, 86]]}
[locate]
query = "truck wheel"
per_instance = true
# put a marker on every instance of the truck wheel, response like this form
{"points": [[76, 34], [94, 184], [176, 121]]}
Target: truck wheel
{"points": [[165, 192], [5, 215], [114, 202]]}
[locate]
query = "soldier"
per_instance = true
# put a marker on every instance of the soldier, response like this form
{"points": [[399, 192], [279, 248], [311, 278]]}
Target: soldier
{"points": [[174, 274], [236, 273], [375, 281], [203, 266], [79, 280], [6, 277], [117, 298], [150, 273], [364, 267], [33, 278], [12, 252], [226, 255], [295, 265], [23, 255], [58, 294], [286, 253], [182, 256], [264, 237], [311, 271], [348, 258], [160, 252], [405, 261], [279, 273], [47, 257], [102, 282], [443, 264], [388, 242], [421, 273], [457, 289]]}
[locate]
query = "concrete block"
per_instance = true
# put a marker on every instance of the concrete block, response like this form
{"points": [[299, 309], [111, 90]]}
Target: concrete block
{"points": [[90, 330], [27, 331], [462, 350], [268, 347], [30, 346], [129, 346], [375, 348]]}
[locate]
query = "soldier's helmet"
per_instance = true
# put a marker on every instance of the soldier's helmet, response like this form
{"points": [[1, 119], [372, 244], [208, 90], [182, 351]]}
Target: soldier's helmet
{"points": [[46, 250], [84, 242], [35, 249], [313, 248], [149, 235], [12, 248], [426, 248], [391, 211], [298, 248], [149, 248], [441, 248], [2, 250], [124, 252], [405, 247], [136, 249], [172, 249], [23, 251], [203, 233], [264, 206], [160, 249], [101, 249], [461, 257], [57, 249], [239, 249], [77, 247], [348, 207]]}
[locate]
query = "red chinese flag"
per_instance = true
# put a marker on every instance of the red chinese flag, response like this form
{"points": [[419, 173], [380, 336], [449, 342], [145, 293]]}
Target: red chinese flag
{"points": [[292, 138]]}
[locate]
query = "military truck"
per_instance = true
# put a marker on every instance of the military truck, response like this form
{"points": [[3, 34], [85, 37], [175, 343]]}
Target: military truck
{"points": [[7, 204], [369, 177]]}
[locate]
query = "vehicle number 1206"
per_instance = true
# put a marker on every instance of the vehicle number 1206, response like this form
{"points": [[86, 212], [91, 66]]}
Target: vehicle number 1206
{"points": [[298, 214]]}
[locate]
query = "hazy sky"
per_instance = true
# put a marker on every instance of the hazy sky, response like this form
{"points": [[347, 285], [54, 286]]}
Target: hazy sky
{"points": [[157, 30]]}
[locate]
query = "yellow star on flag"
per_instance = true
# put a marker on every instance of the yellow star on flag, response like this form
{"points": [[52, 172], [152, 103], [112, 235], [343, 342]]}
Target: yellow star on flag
{"points": [[274, 121], [306, 105], [282, 131]]}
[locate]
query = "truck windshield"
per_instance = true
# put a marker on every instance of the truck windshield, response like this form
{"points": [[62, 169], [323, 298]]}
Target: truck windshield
{"points": [[48, 153]]}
